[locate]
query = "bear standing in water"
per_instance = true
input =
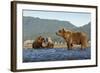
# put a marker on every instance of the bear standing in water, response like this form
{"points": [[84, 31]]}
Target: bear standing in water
{"points": [[71, 38]]}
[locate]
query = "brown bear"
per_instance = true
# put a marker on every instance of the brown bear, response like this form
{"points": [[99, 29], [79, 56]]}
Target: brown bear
{"points": [[38, 42], [71, 38]]}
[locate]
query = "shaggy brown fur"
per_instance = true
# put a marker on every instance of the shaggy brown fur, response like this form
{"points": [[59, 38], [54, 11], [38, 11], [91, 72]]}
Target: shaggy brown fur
{"points": [[72, 38], [38, 42]]}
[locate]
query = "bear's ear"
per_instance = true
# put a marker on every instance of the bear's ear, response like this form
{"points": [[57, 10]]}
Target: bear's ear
{"points": [[63, 29], [39, 37]]}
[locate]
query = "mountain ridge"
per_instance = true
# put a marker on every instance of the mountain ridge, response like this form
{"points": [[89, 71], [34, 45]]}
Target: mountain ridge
{"points": [[34, 26]]}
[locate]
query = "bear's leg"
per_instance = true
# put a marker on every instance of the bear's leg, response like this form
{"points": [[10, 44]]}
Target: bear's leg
{"points": [[69, 46], [84, 45], [87, 44]]}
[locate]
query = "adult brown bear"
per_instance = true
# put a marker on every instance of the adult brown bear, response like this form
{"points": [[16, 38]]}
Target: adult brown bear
{"points": [[71, 38], [38, 42]]}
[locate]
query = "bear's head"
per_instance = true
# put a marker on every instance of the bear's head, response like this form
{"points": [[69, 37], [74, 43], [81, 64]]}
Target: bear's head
{"points": [[40, 39], [64, 33], [60, 32]]}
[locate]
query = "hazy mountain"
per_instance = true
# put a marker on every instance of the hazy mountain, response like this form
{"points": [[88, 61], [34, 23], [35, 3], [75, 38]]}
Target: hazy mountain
{"points": [[33, 27]]}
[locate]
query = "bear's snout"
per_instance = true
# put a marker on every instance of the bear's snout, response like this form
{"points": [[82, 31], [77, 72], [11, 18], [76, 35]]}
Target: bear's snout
{"points": [[57, 33]]}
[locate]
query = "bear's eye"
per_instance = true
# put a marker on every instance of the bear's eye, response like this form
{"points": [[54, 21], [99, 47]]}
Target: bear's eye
{"points": [[59, 30]]}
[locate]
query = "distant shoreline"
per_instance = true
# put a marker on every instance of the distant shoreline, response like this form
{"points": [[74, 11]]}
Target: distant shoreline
{"points": [[28, 44]]}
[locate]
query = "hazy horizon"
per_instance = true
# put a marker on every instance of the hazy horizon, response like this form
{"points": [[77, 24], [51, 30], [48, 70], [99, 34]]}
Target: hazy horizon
{"points": [[76, 18]]}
